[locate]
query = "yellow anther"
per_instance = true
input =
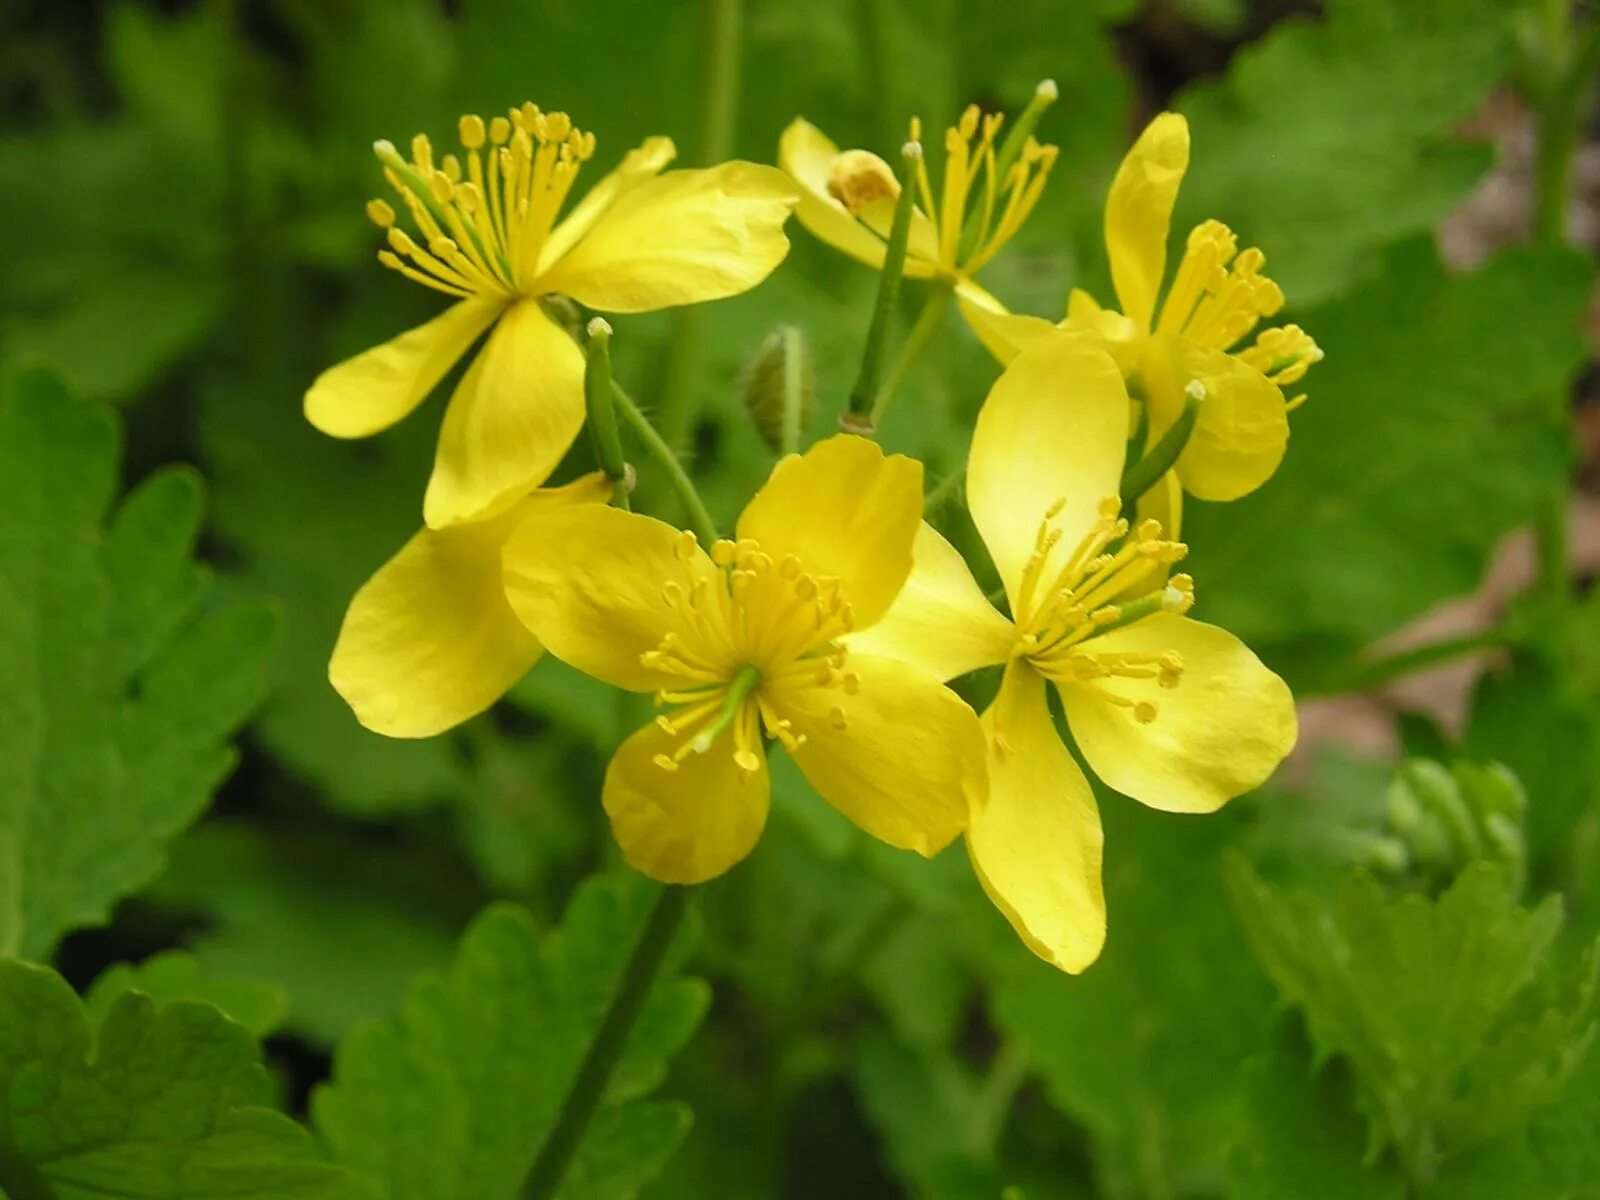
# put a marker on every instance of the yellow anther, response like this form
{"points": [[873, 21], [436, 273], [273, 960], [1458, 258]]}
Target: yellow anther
{"points": [[380, 213], [452, 168], [422, 153], [557, 126], [836, 717], [684, 546], [1058, 504], [665, 763], [723, 552], [1109, 615], [851, 682], [968, 125], [1144, 712], [1171, 669], [747, 760], [1149, 529], [470, 130], [499, 131], [1109, 507], [441, 187]]}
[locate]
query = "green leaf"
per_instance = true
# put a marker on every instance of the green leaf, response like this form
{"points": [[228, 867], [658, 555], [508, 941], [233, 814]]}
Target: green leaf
{"points": [[310, 519], [452, 1098], [1330, 139], [124, 266], [289, 907], [1428, 1000], [1143, 1048], [1420, 447], [156, 1103], [257, 1004], [1301, 1137], [120, 696]]}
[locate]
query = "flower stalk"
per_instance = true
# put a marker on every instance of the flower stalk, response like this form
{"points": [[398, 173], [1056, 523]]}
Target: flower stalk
{"points": [[589, 1085], [865, 400], [656, 446], [602, 412]]}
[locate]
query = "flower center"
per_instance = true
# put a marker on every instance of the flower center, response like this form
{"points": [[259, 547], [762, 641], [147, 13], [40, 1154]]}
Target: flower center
{"points": [[754, 628], [483, 224], [1219, 295], [1095, 590], [981, 204]]}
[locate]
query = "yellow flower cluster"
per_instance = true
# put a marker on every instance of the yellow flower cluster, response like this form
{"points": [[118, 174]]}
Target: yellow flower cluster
{"points": [[830, 623]]}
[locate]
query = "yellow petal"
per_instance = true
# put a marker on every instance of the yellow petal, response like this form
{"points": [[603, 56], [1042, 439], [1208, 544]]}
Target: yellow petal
{"points": [[1139, 212], [430, 640], [1083, 309], [1242, 431], [941, 620], [592, 585], [809, 157], [680, 238], [376, 388], [1055, 427], [807, 154], [510, 421], [687, 825], [844, 509], [1037, 843], [1002, 333], [907, 763], [1219, 733], [643, 162]]}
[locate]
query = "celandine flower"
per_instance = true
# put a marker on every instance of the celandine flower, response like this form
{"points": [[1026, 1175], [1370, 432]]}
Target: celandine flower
{"points": [[430, 639], [744, 644], [1188, 346], [487, 234], [847, 198], [1177, 714]]}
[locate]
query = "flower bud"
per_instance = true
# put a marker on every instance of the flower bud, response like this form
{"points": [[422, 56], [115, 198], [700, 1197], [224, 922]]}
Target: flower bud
{"points": [[765, 383]]}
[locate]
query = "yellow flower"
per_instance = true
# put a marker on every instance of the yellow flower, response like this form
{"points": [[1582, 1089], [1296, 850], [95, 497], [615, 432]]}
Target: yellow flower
{"points": [[1174, 713], [745, 640], [847, 198], [488, 235], [430, 639], [1188, 346]]}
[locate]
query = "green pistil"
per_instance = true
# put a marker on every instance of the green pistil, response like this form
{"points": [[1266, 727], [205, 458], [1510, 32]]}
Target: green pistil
{"points": [[744, 682], [1147, 472]]}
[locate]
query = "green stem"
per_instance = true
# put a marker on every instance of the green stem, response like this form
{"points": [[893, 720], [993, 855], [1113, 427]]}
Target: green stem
{"points": [[1366, 676], [1007, 1073], [705, 529], [860, 417], [583, 1098], [794, 375], [602, 411], [1157, 461], [943, 491], [719, 106], [928, 320]]}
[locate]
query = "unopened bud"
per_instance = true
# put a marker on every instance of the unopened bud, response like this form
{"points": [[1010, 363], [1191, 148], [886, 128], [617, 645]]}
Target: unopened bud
{"points": [[766, 381]]}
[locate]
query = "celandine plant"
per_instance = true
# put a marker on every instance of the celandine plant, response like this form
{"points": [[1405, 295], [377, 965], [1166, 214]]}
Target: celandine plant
{"points": [[827, 625]]}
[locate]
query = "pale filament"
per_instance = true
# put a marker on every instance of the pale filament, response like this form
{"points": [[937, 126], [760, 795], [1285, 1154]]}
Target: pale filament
{"points": [[1095, 589], [481, 226], [751, 630]]}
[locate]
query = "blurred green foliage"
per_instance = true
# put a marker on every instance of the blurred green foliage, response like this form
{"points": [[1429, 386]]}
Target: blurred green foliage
{"points": [[429, 931]]}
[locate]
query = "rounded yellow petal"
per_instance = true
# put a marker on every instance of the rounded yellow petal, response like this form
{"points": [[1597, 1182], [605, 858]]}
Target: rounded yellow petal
{"points": [[1002, 333], [1242, 430], [680, 238], [807, 154], [1219, 733], [1054, 428], [430, 640], [809, 157], [599, 587], [1139, 212], [845, 509], [686, 825], [1037, 843], [644, 161], [902, 756], [510, 421], [370, 392], [941, 620]]}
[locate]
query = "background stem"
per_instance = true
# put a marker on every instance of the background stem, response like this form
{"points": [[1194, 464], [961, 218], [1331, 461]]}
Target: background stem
{"points": [[719, 110], [555, 1156]]}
